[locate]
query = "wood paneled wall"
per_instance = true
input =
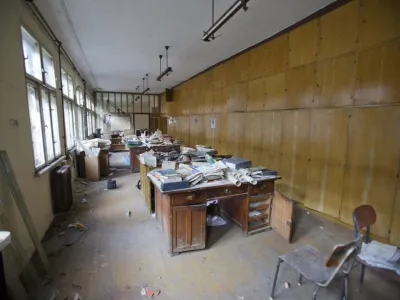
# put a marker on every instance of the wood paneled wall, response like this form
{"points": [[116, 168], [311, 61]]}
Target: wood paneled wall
{"points": [[321, 104]]}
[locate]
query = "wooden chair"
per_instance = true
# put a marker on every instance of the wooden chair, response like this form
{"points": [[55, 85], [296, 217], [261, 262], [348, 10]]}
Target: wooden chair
{"points": [[313, 265], [363, 217]]}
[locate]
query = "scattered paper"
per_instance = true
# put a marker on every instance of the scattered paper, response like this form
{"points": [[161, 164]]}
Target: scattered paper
{"points": [[215, 221]]}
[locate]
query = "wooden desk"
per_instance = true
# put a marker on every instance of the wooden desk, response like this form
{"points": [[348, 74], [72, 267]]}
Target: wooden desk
{"points": [[134, 152], [182, 213], [147, 187]]}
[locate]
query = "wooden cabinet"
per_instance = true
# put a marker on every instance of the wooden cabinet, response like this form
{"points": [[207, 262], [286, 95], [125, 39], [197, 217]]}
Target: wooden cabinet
{"points": [[188, 228], [134, 152]]}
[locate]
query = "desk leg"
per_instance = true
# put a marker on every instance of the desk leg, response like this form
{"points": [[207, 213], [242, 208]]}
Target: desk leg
{"points": [[3, 286]]}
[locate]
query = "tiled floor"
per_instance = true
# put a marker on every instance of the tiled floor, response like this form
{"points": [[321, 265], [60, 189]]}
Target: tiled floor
{"points": [[120, 254]]}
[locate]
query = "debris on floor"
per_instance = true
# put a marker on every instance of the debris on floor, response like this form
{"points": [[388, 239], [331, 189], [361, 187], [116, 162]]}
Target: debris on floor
{"points": [[287, 284], [77, 297], [84, 201], [76, 286], [149, 292], [78, 226], [215, 221], [129, 213], [111, 184]]}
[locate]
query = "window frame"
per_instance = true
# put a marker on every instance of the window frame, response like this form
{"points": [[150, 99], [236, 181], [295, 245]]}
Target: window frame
{"points": [[41, 86]]}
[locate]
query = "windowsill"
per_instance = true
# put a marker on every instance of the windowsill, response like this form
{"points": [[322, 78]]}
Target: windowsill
{"points": [[40, 172]]}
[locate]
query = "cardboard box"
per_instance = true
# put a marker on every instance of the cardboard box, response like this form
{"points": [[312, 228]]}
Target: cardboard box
{"points": [[92, 168]]}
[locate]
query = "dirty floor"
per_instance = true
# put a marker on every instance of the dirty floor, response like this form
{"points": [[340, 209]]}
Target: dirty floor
{"points": [[120, 254]]}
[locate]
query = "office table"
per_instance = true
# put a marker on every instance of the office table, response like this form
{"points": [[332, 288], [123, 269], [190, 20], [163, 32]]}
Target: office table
{"points": [[182, 213]]}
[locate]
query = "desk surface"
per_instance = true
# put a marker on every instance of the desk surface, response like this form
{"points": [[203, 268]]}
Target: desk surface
{"points": [[205, 185]]}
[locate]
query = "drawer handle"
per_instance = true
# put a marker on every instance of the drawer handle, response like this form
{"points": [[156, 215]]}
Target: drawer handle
{"points": [[228, 192]]}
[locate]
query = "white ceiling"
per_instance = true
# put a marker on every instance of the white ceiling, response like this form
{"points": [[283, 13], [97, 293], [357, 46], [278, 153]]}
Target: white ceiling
{"points": [[115, 43]]}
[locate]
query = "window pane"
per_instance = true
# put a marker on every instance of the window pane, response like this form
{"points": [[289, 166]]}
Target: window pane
{"points": [[48, 66], [137, 103], [31, 55], [56, 129], [80, 123], [36, 126], [47, 125], [70, 88], [69, 124], [89, 123], [64, 80], [145, 104]]}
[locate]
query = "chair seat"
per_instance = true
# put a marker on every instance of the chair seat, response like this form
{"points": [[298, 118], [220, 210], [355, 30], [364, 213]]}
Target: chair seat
{"points": [[310, 262]]}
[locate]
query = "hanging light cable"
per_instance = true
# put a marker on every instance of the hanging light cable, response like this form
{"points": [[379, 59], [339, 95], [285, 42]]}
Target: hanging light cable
{"points": [[168, 70], [147, 89]]}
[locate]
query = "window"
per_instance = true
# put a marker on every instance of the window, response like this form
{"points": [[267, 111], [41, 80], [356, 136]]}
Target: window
{"points": [[42, 101], [48, 69], [69, 124], [31, 55], [36, 126], [68, 94], [67, 84]]}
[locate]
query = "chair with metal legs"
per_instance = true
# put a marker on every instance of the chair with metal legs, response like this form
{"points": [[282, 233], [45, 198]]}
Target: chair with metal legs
{"points": [[313, 265], [363, 217]]}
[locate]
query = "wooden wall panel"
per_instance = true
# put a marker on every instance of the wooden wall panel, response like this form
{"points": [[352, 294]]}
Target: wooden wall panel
{"points": [[220, 133], [338, 31], [209, 133], [295, 153], [275, 91], [197, 131], [271, 140], [236, 96], [182, 129], [219, 100], [277, 55], [257, 58], [379, 75], [256, 94], [242, 67], [372, 164], [286, 101], [395, 225], [300, 85], [328, 145], [379, 22], [235, 133], [303, 43], [336, 81]]}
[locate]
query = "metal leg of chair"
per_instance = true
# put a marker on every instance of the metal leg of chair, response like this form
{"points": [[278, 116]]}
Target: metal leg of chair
{"points": [[314, 295], [300, 279], [346, 287], [362, 274], [275, 278]]}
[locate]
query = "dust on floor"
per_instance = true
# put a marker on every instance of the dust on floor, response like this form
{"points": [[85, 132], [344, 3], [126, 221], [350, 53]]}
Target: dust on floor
{"points": [[120, 254]]}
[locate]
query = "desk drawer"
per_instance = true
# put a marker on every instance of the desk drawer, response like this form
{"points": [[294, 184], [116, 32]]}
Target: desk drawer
{"points": [[188, 198], [262, 188], [226, 192]]}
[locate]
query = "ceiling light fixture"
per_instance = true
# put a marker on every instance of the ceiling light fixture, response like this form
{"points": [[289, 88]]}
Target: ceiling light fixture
{"points": [[226, 16], [147, 89], [168, 70]]}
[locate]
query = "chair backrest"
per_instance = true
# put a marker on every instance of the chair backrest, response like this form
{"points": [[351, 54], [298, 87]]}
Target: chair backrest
{"points": [[363, 217], [341, 255]]}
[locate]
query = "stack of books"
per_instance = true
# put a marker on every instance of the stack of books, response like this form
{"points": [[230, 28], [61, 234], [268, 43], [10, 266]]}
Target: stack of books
{"points": [[190, 173], [167, 175]]}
